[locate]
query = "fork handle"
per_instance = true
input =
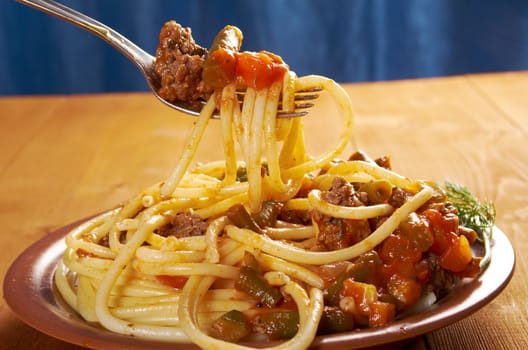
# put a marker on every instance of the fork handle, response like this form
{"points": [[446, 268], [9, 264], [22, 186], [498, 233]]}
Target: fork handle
{"points": [[133, 52]]}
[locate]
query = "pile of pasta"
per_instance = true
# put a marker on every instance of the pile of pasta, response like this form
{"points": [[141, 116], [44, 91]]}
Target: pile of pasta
{"points": [[122, 270]]}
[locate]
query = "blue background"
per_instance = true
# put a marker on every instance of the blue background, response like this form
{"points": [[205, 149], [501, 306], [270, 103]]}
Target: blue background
{"points": [[349, 41]]}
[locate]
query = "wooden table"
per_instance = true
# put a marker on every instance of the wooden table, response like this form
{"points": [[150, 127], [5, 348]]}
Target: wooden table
{"points": [[65, 157]]}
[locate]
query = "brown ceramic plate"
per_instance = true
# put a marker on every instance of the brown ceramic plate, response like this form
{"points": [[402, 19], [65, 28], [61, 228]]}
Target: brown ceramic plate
{"points": [[30, 292]]}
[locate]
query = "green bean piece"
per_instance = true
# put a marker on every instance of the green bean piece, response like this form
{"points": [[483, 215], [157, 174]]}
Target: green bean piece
{"points": [[220, 64], [229, 38]]}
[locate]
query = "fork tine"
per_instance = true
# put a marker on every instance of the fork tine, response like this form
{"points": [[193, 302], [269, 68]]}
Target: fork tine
{"points": [[303, 105], [300, 95], [291, 114], [307, 97]]}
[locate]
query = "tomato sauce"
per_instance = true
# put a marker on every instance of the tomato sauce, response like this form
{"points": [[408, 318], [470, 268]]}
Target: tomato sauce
{"points": [[259, 70]]}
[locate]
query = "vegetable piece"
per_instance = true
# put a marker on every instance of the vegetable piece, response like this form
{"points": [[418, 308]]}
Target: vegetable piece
{"points": [[363, 294], [231, 326], [333, 292], [443, 229], [267, 216], [381, 313], [398, 248], [405, 289], [251, 261], [277, 325], [241, 218], [457, 256], [251, 281], [220, 66], [378, 191], [365, 268], [334, 320]]}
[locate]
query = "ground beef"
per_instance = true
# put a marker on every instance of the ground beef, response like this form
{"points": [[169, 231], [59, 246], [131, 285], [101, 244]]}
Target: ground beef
{"points": [[441, 281], [335, 233], [343, 193], [301, 217], [179, 62], [184, 225], [444, 208], [399, 197], [384, 162]]}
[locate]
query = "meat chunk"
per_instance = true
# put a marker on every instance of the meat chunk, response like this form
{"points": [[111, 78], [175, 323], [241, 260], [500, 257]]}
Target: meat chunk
{"points": [[184, 225], [399, 197], [441, 281], [179, 64], [335, 233], [343, 193]]}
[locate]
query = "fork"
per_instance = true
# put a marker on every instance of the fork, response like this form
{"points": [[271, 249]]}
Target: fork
{"points": [[143, 60]]}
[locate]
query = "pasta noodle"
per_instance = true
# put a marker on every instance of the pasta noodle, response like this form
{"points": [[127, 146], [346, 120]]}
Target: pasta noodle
{"points": [[170, 263]]}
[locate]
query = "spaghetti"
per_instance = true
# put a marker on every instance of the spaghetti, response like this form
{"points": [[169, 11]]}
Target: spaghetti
{"points": [[271, 244]]}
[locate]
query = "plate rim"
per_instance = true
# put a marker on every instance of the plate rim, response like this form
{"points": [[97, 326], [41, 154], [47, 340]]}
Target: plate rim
{"points": [[29, 286]]}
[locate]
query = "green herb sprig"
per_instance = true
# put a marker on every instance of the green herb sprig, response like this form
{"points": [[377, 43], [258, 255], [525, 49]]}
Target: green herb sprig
{"points": [[474, 214]]}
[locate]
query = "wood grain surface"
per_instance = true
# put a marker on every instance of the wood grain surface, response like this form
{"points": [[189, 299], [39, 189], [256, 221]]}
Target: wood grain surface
{"points": [[66, 157]]}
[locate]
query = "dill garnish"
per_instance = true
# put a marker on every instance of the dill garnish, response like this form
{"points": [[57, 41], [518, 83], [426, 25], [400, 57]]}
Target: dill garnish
{"points": [[473, 213]]}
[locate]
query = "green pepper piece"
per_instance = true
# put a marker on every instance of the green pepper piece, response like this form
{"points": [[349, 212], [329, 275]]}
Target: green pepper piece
{"points": [[282, 324], [333, 292], [241, 218], [231, 326], [254, 284], [334, 320], [365, 267], [267, 216], [251, 261]]}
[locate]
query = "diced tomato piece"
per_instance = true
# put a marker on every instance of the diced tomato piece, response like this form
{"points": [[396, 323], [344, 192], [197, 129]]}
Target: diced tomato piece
{"points": [[457, 256], [398, 248], [402, 268], [406, 290], [443, 240], [381, 313], [363, 294], [443, 229]]}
